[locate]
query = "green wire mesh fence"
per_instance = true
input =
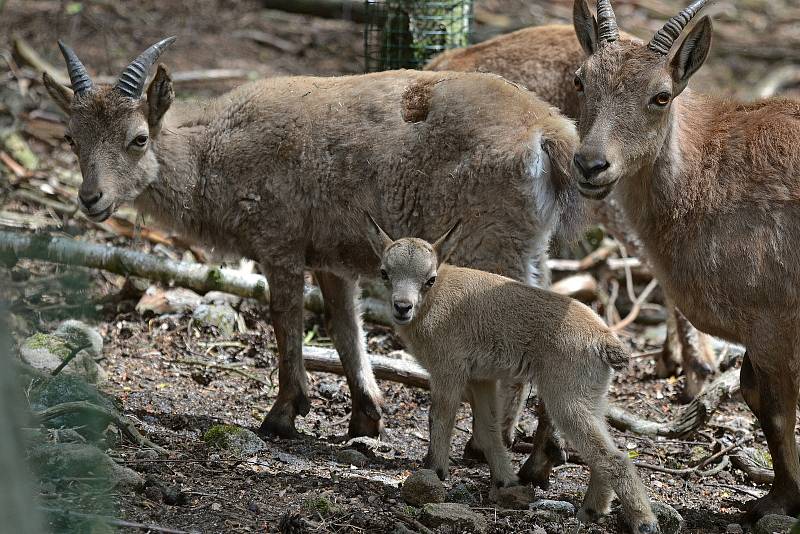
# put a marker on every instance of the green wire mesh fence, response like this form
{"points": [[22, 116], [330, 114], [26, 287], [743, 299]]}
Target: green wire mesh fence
{"points": [[404, 34]]}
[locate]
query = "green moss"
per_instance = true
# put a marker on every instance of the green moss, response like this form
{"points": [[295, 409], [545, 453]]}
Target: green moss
{"points": [[320, 505], [214, 278], [763, 457], [52, 344], [218, 435]]}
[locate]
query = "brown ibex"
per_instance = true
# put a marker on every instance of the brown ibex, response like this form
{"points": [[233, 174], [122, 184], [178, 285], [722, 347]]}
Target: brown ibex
{"points": [[544, 59], [471, 328], [281, 171], [712, 188]]}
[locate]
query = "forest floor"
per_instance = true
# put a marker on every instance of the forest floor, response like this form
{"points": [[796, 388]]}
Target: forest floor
{"points": [[175, 403]]}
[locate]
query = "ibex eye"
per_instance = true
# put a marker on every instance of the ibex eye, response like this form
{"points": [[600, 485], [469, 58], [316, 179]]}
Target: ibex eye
{"points": [[578, 84], [69, 140], [140, 140], [431, 281], [662, 99], [384, 275]]}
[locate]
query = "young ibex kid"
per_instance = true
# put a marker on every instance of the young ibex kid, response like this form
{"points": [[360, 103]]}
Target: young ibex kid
{"points": [[544, 59], [712, 188], [471, 328], [280, 170]]}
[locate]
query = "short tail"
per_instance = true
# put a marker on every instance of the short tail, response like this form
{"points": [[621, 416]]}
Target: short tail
{"points": [[614, 353]]}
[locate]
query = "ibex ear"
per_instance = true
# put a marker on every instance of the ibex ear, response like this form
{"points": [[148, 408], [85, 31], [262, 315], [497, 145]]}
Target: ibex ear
{"points": [[61, 95], [160, 96], [377, 237], [585, 26], [445, 245], [692, 53]]}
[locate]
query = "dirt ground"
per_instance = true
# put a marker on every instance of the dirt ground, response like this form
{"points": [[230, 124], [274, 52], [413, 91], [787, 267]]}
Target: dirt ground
{"points": [[175, 403]]}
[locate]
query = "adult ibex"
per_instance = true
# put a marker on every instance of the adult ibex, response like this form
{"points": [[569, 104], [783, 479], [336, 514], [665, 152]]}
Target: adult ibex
{"points": [[282, 170], [471, 328], [544, 59], [712, 188]]}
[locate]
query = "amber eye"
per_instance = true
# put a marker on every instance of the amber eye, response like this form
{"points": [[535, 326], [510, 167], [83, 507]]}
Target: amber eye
{"points": [[662, 99], [578, 84], [430, 282]]}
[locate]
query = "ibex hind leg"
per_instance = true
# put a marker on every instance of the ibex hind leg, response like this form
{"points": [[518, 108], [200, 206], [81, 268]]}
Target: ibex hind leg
{"points": [[487, 433], [344, 325], [583, 426], [286, 311]]}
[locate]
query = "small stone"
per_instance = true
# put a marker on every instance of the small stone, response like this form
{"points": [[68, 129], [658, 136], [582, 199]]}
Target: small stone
{"points": [[237, 440], [351, 457], [460, 493], [329, 390], [400, 528], [80, 460], [71, 388], [218, 297], [254, 507], [47, 352], [452, 514], [668, 517], [774, 524], [219, 316], [559, 507], [175, 496], [146, 454], [163, 301], [422, 487], [538, 530], [514, 497], [153, 493], [216, 507], [734, 528]]}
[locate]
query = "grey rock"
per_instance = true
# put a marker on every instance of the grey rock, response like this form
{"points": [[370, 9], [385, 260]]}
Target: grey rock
{"points": [[773, 523], [329, 390], [514, 497], [146, 454], [218, 297], [219, 316], [400, 528], [460, 493], [734, 528], [164, 301], [47, 352], [455, 515], [234, 439], [55, 461], [559, 507], [422, 487], [351, 457], [668, 517], [70, 388]]}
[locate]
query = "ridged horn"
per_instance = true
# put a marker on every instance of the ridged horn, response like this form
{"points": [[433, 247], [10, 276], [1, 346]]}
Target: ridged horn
{"points": [[78, 77], [664, 38], [607, 30], [131, 81]]}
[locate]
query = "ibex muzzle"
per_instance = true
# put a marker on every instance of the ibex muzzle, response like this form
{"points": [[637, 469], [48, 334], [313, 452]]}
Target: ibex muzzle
{"points": [[626, 92], [111, 129]]}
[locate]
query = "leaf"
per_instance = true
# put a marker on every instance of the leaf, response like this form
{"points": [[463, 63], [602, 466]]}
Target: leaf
{"points": [[73, 8]]}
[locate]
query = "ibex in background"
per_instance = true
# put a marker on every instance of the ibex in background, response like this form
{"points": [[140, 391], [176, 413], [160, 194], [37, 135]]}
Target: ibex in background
{"points": [[471, 328], [712, 188], [282, 170], [544, 59]]}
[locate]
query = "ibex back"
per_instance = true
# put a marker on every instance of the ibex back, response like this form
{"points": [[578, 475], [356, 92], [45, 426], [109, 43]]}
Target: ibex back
{"points": [[712, 187], [282, 170]]}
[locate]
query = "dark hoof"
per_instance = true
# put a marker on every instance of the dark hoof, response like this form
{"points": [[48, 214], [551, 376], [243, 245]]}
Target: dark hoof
{"points": [[362, 424], [278, 428], [441, 473], [473, 453], [769, 504]]}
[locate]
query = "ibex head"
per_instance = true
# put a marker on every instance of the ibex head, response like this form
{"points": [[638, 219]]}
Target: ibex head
{"points": [[626, 90], [111, 129], [408, 267]]}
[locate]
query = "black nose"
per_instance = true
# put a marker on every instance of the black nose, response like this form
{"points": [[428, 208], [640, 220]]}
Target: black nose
{"points": [[402, 308], [590, 166], [90, 200]]}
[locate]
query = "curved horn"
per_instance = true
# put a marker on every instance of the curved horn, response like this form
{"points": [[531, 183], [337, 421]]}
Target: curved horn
{"points": [[78, 77], [607, 30], [662, 41], [131, 81]]}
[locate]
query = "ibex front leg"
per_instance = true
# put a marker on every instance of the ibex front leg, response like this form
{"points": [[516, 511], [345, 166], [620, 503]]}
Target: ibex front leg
{"points": [[445, 399], [286, 310], [344, 326]]}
